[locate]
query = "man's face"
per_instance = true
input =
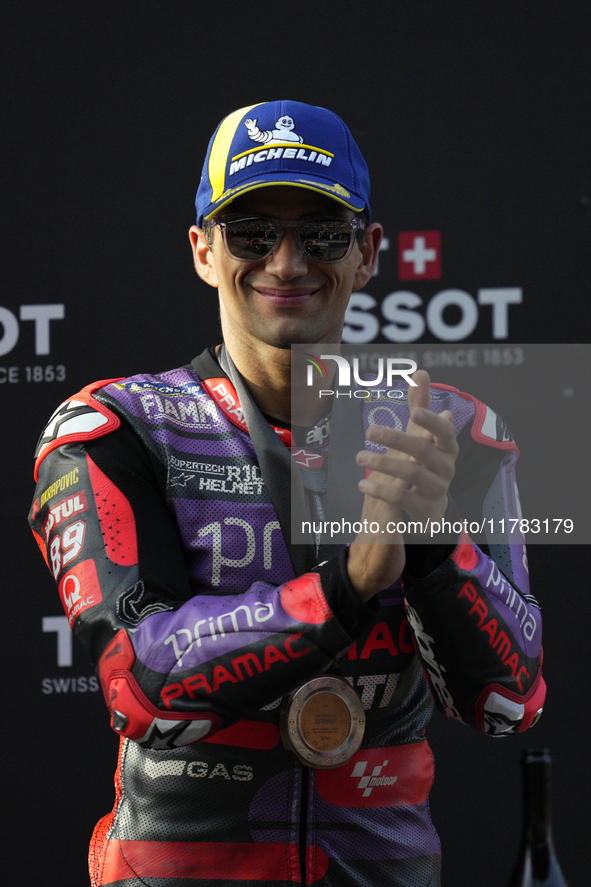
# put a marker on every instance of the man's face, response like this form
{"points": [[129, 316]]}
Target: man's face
{"points": [[287, 298]]}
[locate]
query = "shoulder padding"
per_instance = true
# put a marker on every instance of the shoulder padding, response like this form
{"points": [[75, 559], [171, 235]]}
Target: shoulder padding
{"points": [[77, 419], [487, 426]]}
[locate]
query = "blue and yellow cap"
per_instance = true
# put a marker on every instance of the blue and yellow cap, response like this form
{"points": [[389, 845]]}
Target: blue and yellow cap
{"points": [[282, 143]]}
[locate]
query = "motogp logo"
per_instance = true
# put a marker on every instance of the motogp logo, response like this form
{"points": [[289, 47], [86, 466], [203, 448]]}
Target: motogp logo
{"points": [[367, 783]]}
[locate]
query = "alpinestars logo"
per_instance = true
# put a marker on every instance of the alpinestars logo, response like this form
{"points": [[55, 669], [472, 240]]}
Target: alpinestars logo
{"points": [[72, 417], [172, 734], [367, 783], [319, 433], [306, 459]]}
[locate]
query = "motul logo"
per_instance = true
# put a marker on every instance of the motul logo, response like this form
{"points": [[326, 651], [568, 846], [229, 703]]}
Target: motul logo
{"points": [[64, 510]]}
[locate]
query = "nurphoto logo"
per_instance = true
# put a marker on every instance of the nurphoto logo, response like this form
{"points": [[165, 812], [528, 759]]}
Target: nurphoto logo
{"points": [[387, 368]]}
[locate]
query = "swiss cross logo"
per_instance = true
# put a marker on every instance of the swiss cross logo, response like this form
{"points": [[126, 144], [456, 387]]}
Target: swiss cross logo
{"points": [[419, 255]]}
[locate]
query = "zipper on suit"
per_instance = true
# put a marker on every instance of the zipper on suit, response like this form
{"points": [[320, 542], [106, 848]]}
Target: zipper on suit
{"points": [[303, 824]]}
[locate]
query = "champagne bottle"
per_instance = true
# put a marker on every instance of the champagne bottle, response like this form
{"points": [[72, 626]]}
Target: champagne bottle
{"points": [[536, 865]]}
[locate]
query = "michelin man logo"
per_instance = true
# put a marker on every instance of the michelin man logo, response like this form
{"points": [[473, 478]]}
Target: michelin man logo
{"points": [[283, 132]]}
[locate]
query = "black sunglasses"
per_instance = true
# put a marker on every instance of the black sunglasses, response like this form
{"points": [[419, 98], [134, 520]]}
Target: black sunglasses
{"points": [[252, 238]]}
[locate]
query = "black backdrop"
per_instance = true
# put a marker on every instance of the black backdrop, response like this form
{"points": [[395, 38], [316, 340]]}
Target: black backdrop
{"points": [[475, 119]]}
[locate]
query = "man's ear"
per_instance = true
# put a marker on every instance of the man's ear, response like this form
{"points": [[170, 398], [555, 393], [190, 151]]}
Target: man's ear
{"points": [[369, 254], [202, 256]]}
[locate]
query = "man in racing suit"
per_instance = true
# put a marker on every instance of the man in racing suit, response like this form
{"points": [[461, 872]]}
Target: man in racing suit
{"points": [[162, 510]]}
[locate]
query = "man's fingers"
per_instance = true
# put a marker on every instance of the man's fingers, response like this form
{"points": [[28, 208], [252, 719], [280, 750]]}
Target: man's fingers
{"points": [[441, 437], [409, 504], [419, 395], [431, 484], [412, 477], [439, 427]]}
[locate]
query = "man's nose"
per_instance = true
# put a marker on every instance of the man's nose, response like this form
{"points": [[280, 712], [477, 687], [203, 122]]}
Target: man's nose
{"points": [[288, 261]]}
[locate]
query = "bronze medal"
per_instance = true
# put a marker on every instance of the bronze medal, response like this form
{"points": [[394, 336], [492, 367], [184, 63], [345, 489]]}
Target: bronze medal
{"points": [[322, 722]]}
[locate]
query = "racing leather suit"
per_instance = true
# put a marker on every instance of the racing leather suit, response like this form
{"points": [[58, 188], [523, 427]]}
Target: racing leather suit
{"points": [[162, 517]]}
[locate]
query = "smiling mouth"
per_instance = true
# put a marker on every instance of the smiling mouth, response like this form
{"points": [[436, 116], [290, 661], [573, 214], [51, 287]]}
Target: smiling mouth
{"points": [[286, 294]]}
